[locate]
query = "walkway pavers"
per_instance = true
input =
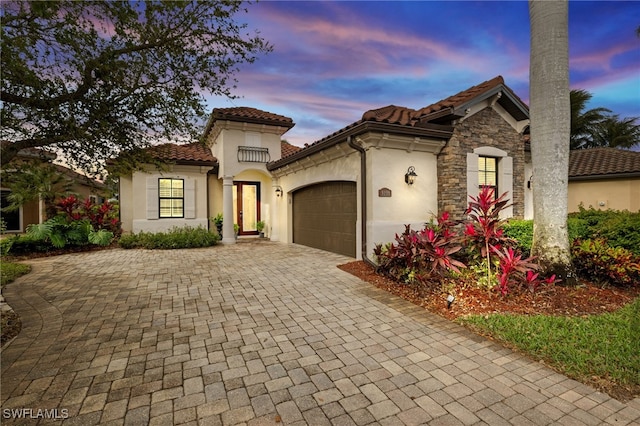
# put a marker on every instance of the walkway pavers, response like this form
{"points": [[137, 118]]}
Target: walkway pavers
{"points": [[260, 333]]}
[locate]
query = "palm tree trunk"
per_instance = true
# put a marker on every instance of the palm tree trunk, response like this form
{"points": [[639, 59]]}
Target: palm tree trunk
{"points": [[550, 132]]}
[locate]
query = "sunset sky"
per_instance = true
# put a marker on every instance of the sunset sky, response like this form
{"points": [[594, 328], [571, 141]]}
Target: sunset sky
{"points": [[332, 61]]}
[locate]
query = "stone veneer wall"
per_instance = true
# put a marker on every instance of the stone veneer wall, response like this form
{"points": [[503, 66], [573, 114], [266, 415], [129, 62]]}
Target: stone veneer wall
{"points": [[485, 128]]}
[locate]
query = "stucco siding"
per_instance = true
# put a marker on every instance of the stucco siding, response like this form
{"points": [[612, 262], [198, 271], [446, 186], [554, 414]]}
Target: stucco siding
{"points": [[616, 194], [225, 146], [136, 219], [409, 204]]}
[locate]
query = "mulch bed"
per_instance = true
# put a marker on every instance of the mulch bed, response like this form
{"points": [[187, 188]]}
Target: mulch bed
{"points": [[586, 299]]}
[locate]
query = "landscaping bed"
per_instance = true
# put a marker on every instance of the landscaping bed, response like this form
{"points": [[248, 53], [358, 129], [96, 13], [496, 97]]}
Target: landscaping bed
{"points": [[552, 300]]}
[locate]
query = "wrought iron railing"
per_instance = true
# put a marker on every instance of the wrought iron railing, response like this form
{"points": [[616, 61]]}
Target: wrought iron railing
{"points": [[253, 154]]}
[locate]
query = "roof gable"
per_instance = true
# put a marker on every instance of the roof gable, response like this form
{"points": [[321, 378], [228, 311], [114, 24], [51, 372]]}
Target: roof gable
{"points": [[434, 121], [451, 107]]}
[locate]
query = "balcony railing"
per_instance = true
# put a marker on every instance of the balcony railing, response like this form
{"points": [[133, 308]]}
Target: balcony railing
{"points": [[253, 154]]}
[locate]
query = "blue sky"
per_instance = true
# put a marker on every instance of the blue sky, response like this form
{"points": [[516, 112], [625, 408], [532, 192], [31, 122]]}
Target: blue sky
{"points": [[332, 61]]}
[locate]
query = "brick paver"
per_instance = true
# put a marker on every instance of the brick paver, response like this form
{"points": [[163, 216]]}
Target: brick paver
{"points": [[259, 333]]}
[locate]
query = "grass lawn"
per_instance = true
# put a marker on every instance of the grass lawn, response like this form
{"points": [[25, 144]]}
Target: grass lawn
{"points": [[588, 348], [9, 271]]}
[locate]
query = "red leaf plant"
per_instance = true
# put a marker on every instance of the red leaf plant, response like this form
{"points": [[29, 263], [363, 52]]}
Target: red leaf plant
{"points": [[483, 232], [419, 255]]}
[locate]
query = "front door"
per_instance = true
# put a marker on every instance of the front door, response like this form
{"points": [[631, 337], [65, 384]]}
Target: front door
{"points": [[246, 206]]}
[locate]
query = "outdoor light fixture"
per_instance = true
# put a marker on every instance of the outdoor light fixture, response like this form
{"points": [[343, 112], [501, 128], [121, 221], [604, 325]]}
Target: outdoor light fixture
{"points": [[278, 191], [530, 182], [450, 299], [410, 176]]}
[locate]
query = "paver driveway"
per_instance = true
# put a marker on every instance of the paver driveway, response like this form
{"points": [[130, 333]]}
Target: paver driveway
{"points": [[260, 333]]}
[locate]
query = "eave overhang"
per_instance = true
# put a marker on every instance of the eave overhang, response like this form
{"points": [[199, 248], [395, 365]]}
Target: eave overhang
{"points": [[629, 175], [431, 131], [506, 99]]}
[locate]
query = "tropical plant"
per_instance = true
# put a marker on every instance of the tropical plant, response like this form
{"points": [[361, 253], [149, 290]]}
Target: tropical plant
{"points": [[515, 269], [33, 181], [60, 232], [483, 231], [217, 219], [612, 265], [100, 216], [416, 256], [584, 123], [616, 132]]}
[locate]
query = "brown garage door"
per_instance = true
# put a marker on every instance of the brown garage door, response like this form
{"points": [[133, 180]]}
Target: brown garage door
{"points": [[324, 217]]}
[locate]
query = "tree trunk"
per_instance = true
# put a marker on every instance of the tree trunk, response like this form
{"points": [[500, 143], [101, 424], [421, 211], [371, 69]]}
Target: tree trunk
{"points": [[550, 133]]}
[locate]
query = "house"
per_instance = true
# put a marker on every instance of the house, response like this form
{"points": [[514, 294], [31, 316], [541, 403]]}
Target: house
{"points": [[33, 212], [604, 178], [348, 191]]}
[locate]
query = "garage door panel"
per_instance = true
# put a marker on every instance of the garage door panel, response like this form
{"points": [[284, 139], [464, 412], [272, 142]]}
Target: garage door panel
{"points": [[324, 217]]}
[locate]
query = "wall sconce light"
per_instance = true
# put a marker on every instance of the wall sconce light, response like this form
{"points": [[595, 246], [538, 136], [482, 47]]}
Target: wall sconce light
{"points": [[278, 191], [410, 176], [530, 182]]}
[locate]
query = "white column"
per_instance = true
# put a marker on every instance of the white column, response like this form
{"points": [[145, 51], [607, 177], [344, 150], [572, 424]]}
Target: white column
{"points": [[275, 219], [41, 211], [228, 235]]}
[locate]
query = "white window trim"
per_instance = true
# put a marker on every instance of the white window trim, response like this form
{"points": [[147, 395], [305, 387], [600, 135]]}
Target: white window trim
{"points": [[153, 196], [505, 173]]}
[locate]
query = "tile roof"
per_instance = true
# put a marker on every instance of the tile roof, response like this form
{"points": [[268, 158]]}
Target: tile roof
{"points": [[288, 149], [410, 117], [603, 162], [80, 178], [198, 153], [251, 115], [183, 154], [441, 113]]}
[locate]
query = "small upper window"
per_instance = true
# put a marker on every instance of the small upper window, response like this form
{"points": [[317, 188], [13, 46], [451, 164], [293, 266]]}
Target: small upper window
{"points": [[488, 173], [171, 196]]}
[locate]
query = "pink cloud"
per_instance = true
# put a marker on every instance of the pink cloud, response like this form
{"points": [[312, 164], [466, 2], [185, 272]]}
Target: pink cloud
{"points": [[601, 59], [369, 49]]}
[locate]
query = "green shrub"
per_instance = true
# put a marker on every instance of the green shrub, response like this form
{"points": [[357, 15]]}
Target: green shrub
{"points": [[618, 228], [596, 260], [521, 231], [5, 245], [578, 229], [60, 232], [24, 244], [175, 238]]}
